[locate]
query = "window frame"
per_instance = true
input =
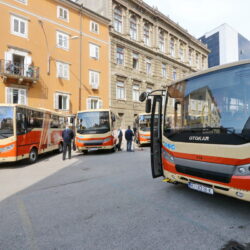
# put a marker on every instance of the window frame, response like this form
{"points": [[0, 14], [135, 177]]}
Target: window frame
{"points": [[12, 24], [67, 108], [25, 2], [134, 57], [120, 85], [96, 77], [118, 22], [91, 23], [146, 34], [133, 27], [63, 9], [7, 89], [93, 47], [148, 69], [65, 40], [119, 55], [135, 92], [66, 67]]}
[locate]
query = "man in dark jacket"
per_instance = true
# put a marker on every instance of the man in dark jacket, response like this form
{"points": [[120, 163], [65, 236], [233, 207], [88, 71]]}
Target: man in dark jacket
{"points": [[68, 136], [129, 137]]}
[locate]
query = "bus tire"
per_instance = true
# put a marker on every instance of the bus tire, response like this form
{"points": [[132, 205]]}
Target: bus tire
{"points": [[33, 155], [113, 150], [60, 148], [85, 152]]}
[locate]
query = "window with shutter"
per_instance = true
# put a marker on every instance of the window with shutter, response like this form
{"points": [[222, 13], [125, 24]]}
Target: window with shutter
{"points": [[16, 96], [61, 101]]}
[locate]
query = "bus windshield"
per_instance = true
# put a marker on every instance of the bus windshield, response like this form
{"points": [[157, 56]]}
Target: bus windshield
{"points": [[96, 122], [213, 104], [144, 122], [6, 122]]}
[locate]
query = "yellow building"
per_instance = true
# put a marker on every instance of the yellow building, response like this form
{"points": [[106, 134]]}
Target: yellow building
{"points": [[54, 54]]}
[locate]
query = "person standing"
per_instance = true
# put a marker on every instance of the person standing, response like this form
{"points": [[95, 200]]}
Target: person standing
{"points": [[68, 136], [120, 135], [129, 137]]}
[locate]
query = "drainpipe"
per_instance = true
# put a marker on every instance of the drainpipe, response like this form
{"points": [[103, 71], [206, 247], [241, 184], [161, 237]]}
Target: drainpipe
{"points": [[80, 63]]}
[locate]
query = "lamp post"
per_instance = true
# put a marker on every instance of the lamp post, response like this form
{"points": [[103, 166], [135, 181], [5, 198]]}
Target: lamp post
{"points": [[49, 54]]}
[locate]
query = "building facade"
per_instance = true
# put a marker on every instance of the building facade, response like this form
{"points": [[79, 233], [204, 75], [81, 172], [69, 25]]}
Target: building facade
{"points": [[148, 51], [54, 55], [226, 45]]}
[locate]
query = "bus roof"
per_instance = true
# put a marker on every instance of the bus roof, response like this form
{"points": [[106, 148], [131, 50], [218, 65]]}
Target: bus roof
{"points": [[210, 70], [93, 110], [32, 108]]}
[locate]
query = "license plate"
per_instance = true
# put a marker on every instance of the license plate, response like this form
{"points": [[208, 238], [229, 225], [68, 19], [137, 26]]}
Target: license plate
{"points": [[92, 149], [201, 188]]}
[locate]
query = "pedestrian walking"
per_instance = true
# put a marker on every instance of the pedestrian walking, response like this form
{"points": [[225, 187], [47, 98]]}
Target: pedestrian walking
{"points": [[129, 137], [68, 136], [120, 135]]}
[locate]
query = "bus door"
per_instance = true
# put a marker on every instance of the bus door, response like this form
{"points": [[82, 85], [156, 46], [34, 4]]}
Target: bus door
{"points": [[156, 137]]}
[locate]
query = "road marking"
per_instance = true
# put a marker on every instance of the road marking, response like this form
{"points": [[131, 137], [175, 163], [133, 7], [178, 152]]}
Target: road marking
{"points": [[26, 224]]}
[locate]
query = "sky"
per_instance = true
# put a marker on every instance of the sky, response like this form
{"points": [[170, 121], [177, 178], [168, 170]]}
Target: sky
{"points": [[201, 16]]}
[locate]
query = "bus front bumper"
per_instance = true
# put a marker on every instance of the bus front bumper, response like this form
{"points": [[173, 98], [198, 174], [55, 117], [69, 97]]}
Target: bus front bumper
{"points": [[217, 188]]}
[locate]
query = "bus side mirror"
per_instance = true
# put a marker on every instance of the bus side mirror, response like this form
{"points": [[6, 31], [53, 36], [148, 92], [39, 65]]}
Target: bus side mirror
{"points": [[143, 96], [148, 106], [71, 119], [113, 118]]}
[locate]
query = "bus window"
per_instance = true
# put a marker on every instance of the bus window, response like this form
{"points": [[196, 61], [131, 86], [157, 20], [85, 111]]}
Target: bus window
{"points": [[21, 121], [34, 119], [54, 121], [6, 122]]}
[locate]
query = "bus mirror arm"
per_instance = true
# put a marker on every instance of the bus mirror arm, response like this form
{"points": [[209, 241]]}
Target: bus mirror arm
{"points": [[148, 106]]}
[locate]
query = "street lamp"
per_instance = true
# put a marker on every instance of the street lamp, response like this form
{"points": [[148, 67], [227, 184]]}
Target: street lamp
{"points": [[49, 54]]}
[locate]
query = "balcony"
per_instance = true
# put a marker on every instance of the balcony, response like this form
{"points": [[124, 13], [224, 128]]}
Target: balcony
{"points": [[22, 73]]}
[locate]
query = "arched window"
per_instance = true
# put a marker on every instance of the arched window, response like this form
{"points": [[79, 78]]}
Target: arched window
{"points": [[118, 19], [171, 47], [161, 41], [133, 27], [146, 34]]}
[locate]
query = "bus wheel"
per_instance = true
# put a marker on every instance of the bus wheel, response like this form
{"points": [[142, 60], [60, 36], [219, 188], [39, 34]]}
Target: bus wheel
{"points": [[60, 148], [113, 150], [85, 151], [33, 155]]}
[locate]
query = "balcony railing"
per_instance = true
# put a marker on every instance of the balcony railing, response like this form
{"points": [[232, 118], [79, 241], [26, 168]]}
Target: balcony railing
{"points": [[16, 70]]}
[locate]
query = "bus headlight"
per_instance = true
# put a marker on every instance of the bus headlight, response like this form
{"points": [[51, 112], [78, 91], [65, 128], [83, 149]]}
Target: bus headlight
{"points": [[167, 156], [8, 148], [107, 140], [242, 170]]}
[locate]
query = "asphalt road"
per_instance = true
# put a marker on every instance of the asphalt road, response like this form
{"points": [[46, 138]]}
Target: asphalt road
{"points": [[109, 201]]}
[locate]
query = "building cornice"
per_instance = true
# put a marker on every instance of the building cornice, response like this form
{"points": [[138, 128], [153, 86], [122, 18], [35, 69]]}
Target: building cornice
{"points": [[85, 11]]}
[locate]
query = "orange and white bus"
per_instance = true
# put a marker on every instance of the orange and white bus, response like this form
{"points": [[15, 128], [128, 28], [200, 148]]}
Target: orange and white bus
{"points": [[26, 132], [96, 129], [142, 125], [203, 139]]}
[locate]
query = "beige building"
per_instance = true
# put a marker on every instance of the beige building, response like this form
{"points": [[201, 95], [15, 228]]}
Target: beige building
{"points": [[148, 51]]}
